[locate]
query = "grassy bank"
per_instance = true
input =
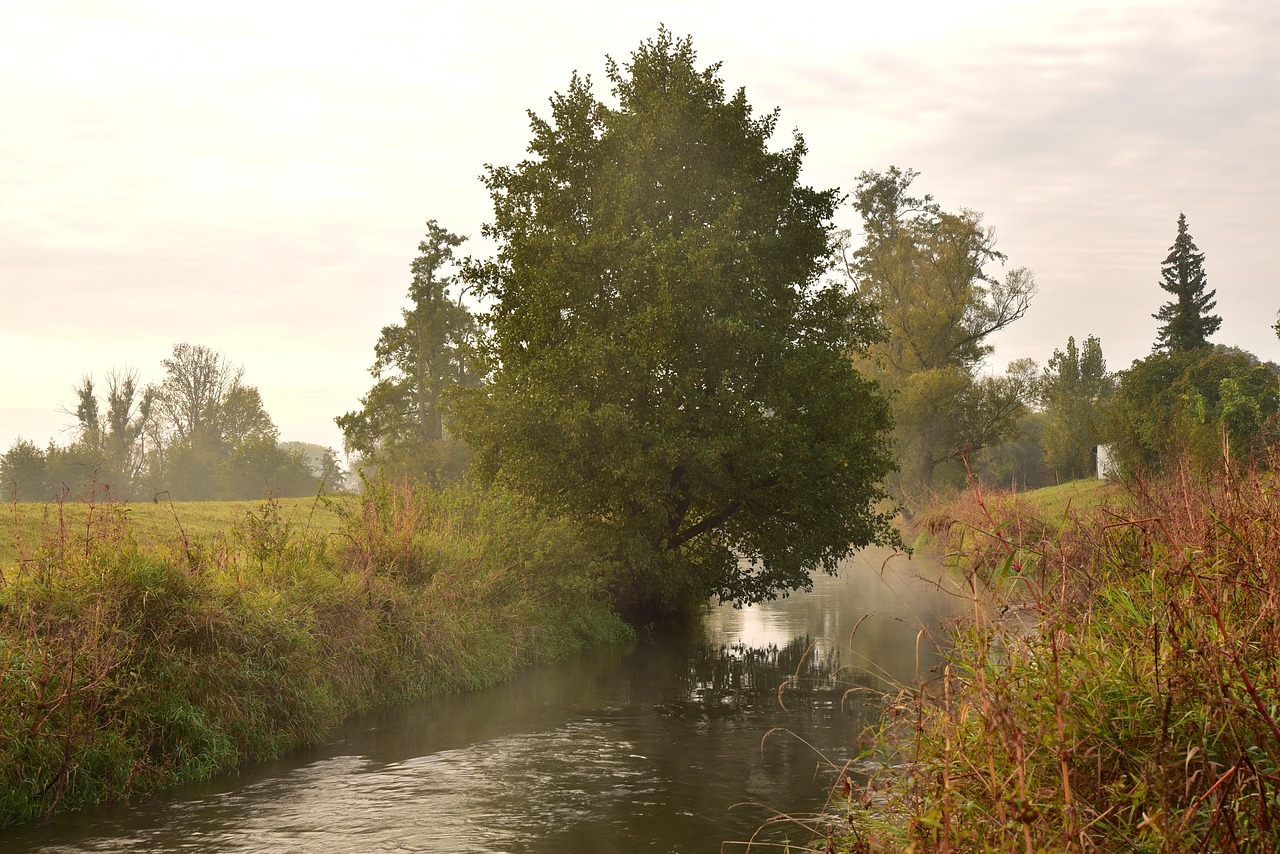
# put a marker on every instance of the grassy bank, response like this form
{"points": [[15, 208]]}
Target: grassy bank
{"points": [[132, 659], [1117, 687]]}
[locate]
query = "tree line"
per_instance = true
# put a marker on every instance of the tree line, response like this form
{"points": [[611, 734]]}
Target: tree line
{"points": [[674, 346], [199, 433], [680, 351], [1190, 402]]}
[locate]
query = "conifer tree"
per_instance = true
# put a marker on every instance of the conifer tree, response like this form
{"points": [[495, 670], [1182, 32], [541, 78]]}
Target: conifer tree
{"points": [[1187, 323]]}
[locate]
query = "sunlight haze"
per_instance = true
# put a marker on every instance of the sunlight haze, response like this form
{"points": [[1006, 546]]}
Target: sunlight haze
{"points": [[255, 177]]}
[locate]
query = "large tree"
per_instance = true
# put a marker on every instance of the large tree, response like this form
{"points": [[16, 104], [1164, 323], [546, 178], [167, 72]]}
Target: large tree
{"points": [[927, 270], [209, 417], [667, 365], [197, 381], [416, 361], [1186, 323]]}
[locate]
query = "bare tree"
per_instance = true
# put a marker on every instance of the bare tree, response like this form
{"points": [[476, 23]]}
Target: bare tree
{"points": [[197, 380]]}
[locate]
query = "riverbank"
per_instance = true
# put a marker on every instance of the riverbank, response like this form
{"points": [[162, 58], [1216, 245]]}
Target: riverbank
{"points": [[130, 663], [1116, 687]]}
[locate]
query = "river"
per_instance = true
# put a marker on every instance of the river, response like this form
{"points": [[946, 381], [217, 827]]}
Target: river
{"points": [[666, 748]]}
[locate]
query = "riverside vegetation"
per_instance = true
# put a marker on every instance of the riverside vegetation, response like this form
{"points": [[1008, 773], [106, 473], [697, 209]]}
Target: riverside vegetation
{"points": [[130, 661], [1117, 686]]}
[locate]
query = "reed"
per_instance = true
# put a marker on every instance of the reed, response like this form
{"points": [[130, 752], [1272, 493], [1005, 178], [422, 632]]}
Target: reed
{"points": [[1116, 688]]}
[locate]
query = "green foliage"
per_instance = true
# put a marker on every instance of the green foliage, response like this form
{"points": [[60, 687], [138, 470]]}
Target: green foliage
{"points": [[261, 466], [401, 424], [1075, 391], [125, 667], [926, 270], [1198, 404], [1186, 322], [666, 368]]}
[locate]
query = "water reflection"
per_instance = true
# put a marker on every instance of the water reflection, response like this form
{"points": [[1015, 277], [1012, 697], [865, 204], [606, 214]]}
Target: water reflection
{"points": [[650, 751]]}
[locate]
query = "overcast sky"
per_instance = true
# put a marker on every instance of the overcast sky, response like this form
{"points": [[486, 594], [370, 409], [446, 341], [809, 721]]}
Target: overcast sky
{"points": [[255, 176]]}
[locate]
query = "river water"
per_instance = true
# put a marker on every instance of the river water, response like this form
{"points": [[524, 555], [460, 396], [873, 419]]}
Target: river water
{"points": [[684, 744]]}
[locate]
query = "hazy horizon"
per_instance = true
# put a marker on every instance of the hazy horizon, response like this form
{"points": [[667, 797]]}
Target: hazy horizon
{"points": [[256, 178]]}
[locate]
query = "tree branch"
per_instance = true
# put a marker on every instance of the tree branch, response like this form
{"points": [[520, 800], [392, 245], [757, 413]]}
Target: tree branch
{"points": [[708, 523]]}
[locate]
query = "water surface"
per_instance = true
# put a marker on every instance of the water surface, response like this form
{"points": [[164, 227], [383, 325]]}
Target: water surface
{"points": [[665, 748]]}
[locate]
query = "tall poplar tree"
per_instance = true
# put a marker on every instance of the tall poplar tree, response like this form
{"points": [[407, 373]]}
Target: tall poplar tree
{"points": [[1186, 321], [1076, 390]]}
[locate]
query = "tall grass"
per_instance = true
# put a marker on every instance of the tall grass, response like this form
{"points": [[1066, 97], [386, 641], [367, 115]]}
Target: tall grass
{"points": [[1116, 688], [128, 666]]}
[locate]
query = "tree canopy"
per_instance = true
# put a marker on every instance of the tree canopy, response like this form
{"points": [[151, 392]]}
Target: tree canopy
{"points": [[926, 270], [1193, 404], [665, 362], [1186, 323]]}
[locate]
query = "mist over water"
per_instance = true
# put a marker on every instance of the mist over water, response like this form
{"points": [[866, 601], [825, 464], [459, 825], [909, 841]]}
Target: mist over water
{"points": [[664, 748]]}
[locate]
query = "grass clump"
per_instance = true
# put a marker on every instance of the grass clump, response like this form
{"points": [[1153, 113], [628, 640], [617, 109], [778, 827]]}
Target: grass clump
{"points": [[129, 663], [1117, 686]]}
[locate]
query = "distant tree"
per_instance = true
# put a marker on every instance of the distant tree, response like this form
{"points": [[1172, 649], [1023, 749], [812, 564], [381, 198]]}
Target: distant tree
{"points": [[1186, 321], [259, 466], [416, 362], [322, 462], [1198, 404], [23, 475], [114, 443], [1076, 393], [216, 432], [926, 270], [666, 365], [89, 422], [197, 380]]}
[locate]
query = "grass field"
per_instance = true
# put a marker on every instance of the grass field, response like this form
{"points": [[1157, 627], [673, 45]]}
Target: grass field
{"points": [[26, 527], [1083, 496]]}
